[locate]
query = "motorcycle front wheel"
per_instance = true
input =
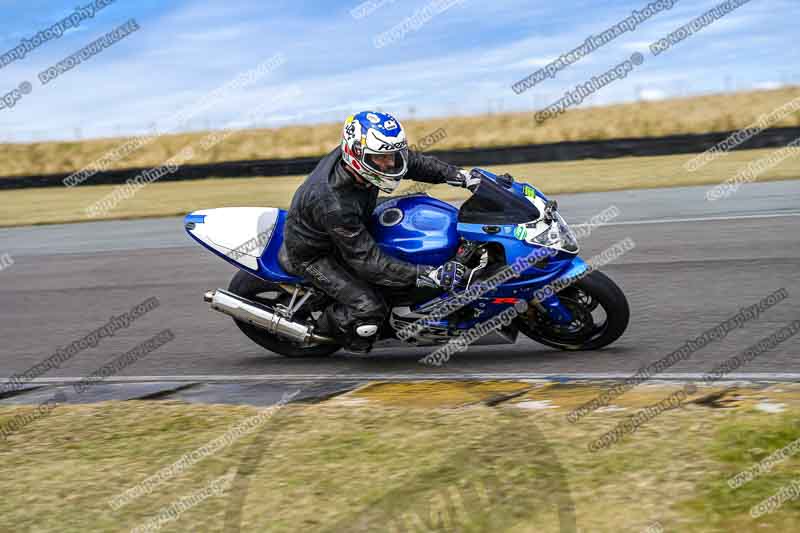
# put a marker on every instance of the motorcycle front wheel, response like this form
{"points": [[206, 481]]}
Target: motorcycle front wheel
{"points": [[600, 316]]}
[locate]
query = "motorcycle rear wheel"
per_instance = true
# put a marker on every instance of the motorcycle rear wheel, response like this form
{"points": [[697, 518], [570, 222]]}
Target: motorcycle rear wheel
{"points": [[248, 286]]}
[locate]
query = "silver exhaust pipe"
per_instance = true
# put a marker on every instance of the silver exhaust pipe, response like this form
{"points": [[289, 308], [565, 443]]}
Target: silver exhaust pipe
{"points": [[256, 314]]}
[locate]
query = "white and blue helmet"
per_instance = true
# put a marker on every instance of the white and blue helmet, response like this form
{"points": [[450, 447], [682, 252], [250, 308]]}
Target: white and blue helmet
{"points": [[368, 134]]}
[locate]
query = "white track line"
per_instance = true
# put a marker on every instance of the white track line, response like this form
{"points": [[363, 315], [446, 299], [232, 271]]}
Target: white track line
{"points": [[694, 219], [432, 376]]}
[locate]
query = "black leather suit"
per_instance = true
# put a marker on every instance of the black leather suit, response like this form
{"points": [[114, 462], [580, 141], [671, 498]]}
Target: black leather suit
{"points": [[326, 241]]}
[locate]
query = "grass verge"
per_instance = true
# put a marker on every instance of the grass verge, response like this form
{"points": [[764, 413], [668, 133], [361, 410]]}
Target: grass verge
{"points": [[699, 114], [383, 468], [57, 205]]}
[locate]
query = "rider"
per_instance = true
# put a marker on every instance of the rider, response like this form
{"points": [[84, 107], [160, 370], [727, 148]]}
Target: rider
{"points": [[326, 239]]}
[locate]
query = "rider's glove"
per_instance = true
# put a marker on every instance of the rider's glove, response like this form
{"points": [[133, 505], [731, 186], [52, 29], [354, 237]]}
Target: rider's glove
{"points": [[465, 179], [449, 276]]}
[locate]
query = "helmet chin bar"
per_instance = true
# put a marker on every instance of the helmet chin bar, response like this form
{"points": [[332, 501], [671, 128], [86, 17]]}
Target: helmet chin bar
{"points": [[385, 182], [387, 185], [361, 180]]}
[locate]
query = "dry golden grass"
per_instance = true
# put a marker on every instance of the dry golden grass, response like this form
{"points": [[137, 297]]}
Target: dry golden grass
{"points": [[719, 112]]}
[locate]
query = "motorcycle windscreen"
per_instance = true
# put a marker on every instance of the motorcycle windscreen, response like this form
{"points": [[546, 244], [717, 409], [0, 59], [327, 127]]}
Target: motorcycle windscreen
{"points": [[494, 204]]}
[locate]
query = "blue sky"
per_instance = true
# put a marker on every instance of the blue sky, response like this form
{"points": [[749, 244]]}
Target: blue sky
{"points": [[461, 61]]}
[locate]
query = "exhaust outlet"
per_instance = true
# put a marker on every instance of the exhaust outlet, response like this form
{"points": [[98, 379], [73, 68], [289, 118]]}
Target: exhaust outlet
{"points": [[256, 314]]}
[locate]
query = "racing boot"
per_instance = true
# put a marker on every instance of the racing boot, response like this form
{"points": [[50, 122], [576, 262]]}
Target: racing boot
{"points": [[357, 338], [361, 338]]}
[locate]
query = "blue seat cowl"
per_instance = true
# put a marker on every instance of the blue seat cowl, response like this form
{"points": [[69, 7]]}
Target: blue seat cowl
{"points": [[268, 266]]}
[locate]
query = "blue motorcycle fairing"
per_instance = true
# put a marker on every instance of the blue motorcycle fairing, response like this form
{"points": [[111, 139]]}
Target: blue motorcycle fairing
{"points": [[418, 229], [532, 277], [268, 266], [525, 290], [517, 249]]}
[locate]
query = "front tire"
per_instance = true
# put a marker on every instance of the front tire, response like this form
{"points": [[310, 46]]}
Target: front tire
{"points": [[588, 296], [253, 288]]}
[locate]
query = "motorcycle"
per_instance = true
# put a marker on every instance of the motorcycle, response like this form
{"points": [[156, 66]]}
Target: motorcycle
{"points": [[504, 223]]}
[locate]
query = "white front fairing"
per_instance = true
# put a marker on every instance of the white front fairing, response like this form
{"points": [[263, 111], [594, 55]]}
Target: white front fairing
{"points": [[239, 233]]}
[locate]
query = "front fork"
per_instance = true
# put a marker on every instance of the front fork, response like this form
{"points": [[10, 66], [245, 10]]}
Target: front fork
{"points": [[552, 305], [555, 310]]}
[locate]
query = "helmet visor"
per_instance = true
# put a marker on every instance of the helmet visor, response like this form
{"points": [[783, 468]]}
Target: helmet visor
{"points": [[388, 164]]}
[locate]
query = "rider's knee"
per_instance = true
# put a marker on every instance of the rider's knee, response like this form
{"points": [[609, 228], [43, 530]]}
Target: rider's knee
{"points": [[373, 308]]}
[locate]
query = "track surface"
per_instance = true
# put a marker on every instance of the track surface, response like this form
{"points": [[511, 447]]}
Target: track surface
{"points": [[684, 277]]}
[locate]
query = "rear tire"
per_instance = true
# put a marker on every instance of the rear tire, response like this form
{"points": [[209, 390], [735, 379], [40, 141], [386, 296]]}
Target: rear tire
{"points": [[602, 292], [248, 286]]}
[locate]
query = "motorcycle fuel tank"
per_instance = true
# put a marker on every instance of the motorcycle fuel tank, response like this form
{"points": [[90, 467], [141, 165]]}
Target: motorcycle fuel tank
{"points": [[418, 229]]}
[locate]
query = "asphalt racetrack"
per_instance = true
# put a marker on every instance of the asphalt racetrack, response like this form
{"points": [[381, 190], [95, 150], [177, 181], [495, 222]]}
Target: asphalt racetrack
{"points": [[695, 264]]}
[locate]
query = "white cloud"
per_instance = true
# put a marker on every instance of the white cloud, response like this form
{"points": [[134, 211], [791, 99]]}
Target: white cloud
{"points": [[768, 85], [652, 94]]}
